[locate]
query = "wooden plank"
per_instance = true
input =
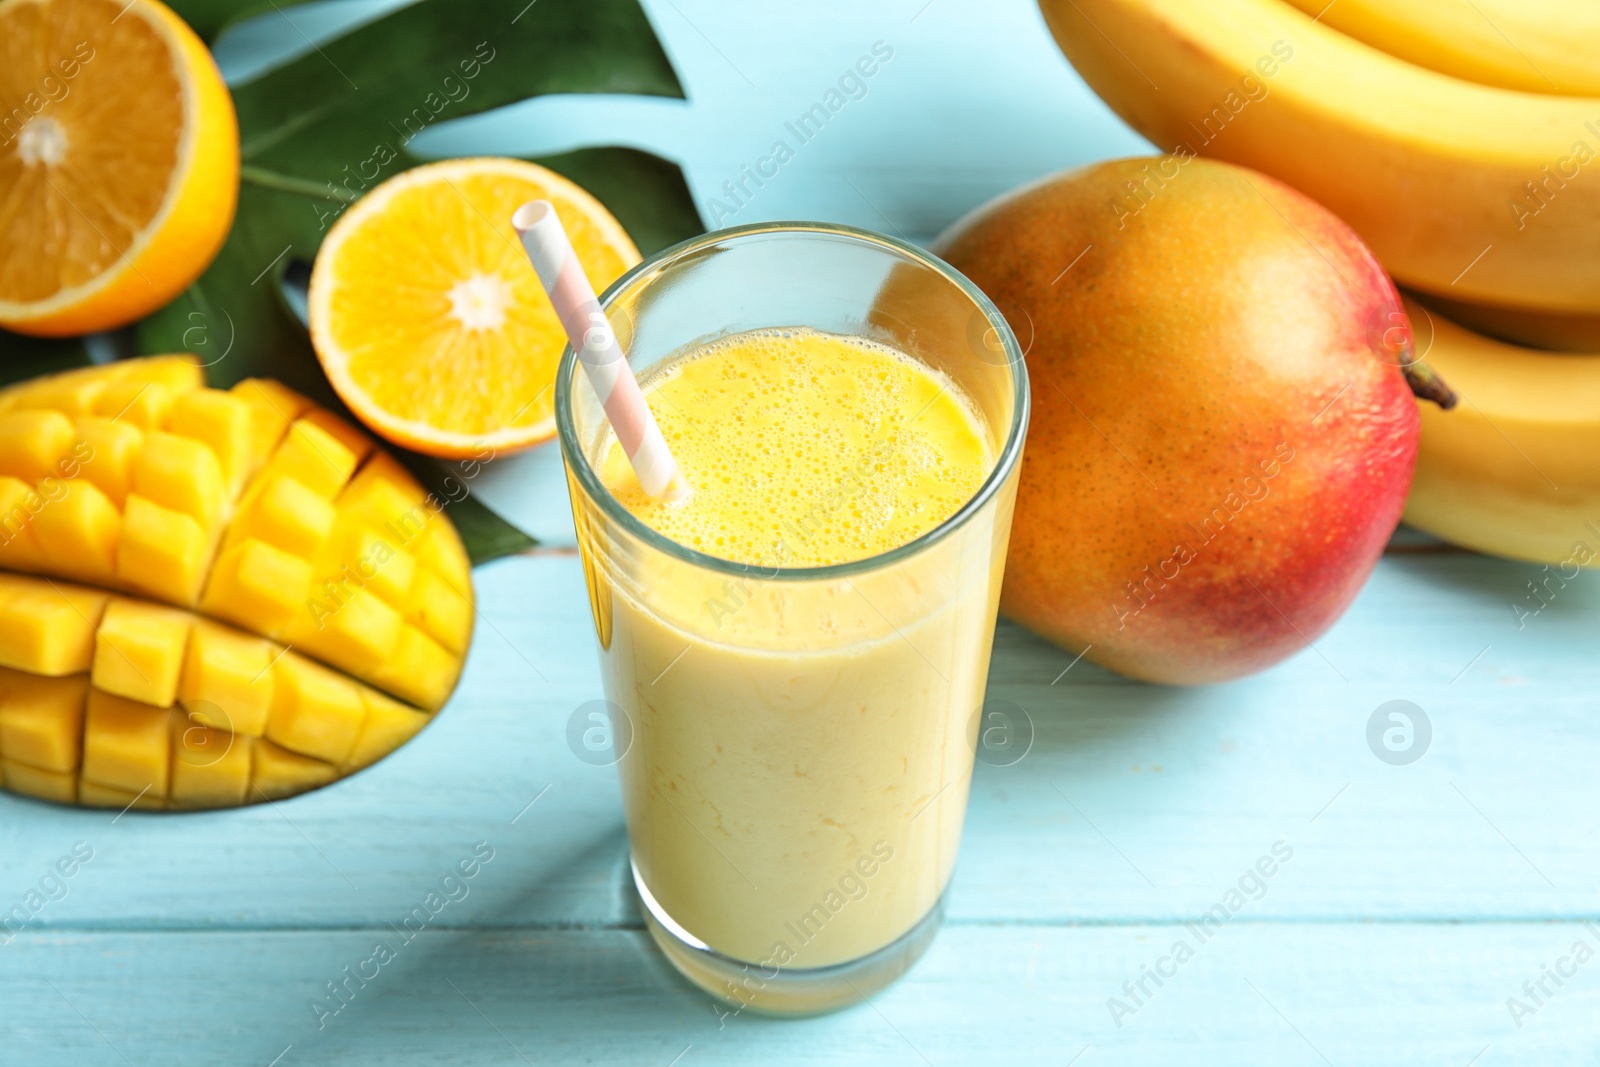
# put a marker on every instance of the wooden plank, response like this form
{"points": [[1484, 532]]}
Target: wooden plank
{"points": [[1256, 993]]}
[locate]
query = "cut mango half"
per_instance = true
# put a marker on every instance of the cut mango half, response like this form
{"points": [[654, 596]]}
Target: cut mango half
{"points": [[186, 572]]}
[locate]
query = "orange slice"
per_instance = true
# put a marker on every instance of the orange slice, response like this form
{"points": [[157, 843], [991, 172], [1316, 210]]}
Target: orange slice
{"points": [[428, 319], [119, 162]]}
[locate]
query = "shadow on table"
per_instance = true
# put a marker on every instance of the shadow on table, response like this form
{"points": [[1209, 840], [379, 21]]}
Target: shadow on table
{"points": [[1068, 701], [537, 995]]}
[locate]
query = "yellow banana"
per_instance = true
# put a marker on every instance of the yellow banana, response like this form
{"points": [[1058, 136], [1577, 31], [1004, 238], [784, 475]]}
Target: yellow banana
{"points": [[1514, 469], [1549, 46], [1535, 329], [1476, 192]]}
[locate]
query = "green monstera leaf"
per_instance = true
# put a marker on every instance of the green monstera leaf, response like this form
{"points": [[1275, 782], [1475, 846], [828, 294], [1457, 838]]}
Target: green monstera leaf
{"points": [[319, 131], [29, 357]]}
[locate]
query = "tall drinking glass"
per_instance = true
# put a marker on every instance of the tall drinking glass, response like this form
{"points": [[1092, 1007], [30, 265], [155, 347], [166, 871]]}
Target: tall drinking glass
{"points": [[802, 738]]}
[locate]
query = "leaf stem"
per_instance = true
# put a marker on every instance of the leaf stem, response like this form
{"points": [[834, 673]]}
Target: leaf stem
{"points": [[284, 183]]}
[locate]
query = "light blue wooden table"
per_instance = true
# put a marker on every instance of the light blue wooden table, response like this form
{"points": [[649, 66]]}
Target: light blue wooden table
{"points": [[1416, 899]]}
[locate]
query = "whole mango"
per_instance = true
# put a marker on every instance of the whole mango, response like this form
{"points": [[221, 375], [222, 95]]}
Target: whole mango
{"points": [[1222, 434]]}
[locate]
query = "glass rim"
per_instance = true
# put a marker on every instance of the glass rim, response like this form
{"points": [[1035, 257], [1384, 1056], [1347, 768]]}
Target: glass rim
{"points": [[578, 463]]}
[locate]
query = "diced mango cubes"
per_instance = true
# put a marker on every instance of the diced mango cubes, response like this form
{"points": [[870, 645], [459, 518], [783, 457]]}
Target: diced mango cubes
{"points": [[273, 407], [362, 556], [287, 515], [224, 424], [162, 552], [388, 725], [210, 768], [421, 671], [59, 786], [144, 404], [182, 474], [246, 719], [109, 451], [439, 548], [48, 627], [41, 719], [387, 498], [358, 444], [227, 681], [257, 585], [126, 744], [95, 795], [315, 711], [19, 503], [253, 507], [77, 532], [314, 458], [138, 651], [32, 443], [179, 373], [441, 612], [351, 629], [72, 392], [280, 773]]}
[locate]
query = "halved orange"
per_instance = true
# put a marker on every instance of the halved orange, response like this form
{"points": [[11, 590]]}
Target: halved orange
{"points": [[429, 320], [119, 162]]}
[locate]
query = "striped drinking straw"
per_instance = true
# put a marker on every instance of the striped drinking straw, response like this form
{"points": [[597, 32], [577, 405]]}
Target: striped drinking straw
{"points": [[591, 337]]}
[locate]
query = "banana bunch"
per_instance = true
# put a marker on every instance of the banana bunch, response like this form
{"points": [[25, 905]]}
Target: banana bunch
{"points": [[1471, 191], [1540, 46], [1454, 136]]}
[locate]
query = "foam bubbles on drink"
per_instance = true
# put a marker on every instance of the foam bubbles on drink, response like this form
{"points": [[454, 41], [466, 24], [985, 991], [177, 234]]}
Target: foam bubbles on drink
{"points": [[806, 448]]}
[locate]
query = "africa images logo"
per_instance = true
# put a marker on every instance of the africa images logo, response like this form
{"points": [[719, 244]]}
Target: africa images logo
{"points": [[1399, 732]]}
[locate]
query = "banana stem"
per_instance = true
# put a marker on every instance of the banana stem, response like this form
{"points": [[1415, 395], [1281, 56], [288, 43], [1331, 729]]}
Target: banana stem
{"points": [[1427, 385]]}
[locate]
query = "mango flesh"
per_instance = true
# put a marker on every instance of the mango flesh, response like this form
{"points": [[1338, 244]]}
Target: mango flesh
{"points": [[250, 567], [1221, 438], [251, 505], [246, 720]]}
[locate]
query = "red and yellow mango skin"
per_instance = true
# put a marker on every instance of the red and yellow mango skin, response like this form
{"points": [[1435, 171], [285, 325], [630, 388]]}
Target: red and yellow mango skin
{"points": [[1222, 436]]}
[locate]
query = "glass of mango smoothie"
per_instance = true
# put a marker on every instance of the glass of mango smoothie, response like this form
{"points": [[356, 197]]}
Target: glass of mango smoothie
{"points": [[796, 652]]}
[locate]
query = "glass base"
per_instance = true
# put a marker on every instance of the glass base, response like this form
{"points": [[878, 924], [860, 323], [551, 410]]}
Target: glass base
{"points": [[794, 991]]}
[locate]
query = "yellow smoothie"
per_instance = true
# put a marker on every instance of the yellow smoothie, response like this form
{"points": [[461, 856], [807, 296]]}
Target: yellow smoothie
{"points": [[801, 747], [806, 449]]}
